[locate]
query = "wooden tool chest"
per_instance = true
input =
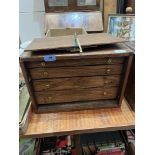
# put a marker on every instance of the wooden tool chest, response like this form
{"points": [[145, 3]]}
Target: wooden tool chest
{"points": [[60, 80]]}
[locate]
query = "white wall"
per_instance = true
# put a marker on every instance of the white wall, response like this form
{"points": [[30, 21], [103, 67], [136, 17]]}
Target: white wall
{"points": [[31, 19]]}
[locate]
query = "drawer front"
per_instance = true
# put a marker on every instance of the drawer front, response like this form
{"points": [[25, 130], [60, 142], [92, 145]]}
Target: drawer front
{"points": [[76, 82], [79, 62], [63, 96], [41, 73]]}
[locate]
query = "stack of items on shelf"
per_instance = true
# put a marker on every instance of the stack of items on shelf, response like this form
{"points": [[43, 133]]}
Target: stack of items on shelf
{"points": [[120, 6], [58, 146], [29, 146], [130, 134], [110, 143]]}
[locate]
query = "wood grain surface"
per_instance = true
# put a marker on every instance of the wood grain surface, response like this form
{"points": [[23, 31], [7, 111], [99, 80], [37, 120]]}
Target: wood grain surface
{"points": [[42, 73], [78, 62], [74, 95], [75, 106], [85, 121], [75, 82], [69, 41]]}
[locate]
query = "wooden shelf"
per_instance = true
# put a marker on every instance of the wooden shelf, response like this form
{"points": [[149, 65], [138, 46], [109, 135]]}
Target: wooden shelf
{"points": [[78, 122]]}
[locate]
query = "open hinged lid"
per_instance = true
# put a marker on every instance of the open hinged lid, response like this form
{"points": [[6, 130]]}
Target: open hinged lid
{"points": [[72, 41]]}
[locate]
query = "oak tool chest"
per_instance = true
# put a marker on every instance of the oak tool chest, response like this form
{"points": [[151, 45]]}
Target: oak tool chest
{"points": [[76, 72]]}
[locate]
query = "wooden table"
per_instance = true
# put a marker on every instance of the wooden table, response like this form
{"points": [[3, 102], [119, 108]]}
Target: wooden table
{"points": [[78, 122]]}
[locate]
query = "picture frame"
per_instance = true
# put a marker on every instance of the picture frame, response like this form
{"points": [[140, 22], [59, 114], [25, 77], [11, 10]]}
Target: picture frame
{"points": [[122, 25]]}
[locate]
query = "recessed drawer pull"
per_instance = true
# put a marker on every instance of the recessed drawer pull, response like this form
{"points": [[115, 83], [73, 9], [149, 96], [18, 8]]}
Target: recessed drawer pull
{"points": [[46, 99], [49, 98], [109, 61], [45, 73], [106, 82], [105, 93], [108, 70], [47, 85], [43, 64]]}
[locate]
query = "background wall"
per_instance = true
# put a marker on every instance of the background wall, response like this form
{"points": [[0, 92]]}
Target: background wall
{"points": [[31, 19]]}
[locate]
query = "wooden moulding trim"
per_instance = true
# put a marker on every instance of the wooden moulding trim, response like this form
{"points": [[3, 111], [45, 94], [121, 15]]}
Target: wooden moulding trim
{"points": [[75, 132], [80, 62], [64, 9], [28, 85], [76, 56], [125, 77], [74, 106]]}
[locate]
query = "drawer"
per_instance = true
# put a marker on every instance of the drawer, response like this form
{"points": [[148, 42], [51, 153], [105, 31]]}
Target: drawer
{"points": [[41, 73], [76, 95], [76, 82], [79, 62]]}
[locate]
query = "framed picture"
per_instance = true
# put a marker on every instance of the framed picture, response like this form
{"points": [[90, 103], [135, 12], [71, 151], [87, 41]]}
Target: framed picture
{"points": [[122, 25]]}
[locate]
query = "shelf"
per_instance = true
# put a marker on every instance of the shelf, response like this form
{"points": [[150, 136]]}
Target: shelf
{"points": [[78, 122]]}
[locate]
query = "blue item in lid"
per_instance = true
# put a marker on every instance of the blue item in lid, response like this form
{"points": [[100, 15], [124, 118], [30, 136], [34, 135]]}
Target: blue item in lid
{"points": [[49, 58]]}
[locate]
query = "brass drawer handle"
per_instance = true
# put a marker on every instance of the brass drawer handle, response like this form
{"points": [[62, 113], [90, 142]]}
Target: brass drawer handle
{"points": [[46, 99], [42, 100], [45, 73], [106, 82], [109, 61], [49, 99], [108, 70], [43, 64], [105, 93], [47, 85]]}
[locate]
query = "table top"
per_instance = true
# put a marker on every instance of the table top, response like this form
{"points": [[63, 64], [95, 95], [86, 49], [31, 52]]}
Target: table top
{"points": [[78, 122]]}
